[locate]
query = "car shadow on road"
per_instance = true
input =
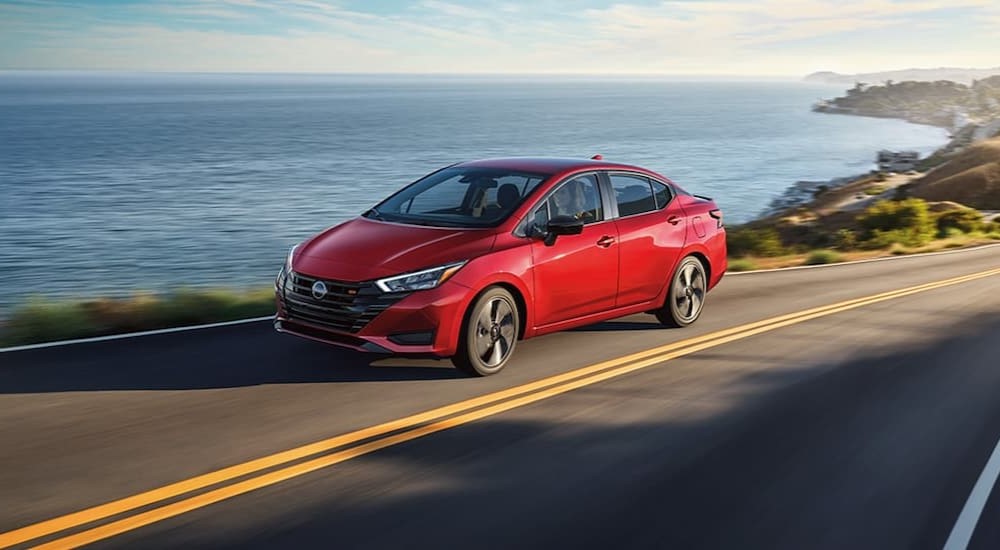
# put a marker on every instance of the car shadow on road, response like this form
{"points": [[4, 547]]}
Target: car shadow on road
{"points": [[217, 358], [614, 326]]}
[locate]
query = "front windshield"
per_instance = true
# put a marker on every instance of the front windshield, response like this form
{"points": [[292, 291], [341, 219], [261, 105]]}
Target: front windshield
{"points": [[459, 197]]}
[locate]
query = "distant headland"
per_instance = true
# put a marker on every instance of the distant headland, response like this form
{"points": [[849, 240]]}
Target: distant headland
{"points": [[944, 103], [953, 74]]}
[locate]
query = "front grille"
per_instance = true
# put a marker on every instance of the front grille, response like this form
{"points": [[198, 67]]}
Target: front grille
{"points": [[347, 307]]}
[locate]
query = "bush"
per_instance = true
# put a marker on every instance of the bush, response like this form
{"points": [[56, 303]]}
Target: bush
{"points": [[964, 221], [950, 233], [745, 241], [907, 222], [741, 265], [875, 190], [819, 257], [845, 239]]}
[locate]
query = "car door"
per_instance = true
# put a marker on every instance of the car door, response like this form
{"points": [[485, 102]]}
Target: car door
{"points": [[578, 274], [651, 232]]}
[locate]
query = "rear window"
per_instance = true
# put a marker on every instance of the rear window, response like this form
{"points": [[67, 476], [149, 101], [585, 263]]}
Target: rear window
{"points": [[633, 194]]}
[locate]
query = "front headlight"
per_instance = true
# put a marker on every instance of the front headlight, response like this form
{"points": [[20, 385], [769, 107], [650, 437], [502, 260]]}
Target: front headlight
{"points": [[285, 269], [419, 280]]}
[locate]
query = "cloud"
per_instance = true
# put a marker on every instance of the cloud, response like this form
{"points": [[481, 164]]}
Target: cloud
{"points": [[716, 36]]}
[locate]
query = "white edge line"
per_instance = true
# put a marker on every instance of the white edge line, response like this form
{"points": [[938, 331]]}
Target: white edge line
{"points": [[870, 260], [259, 319], [965, 525], [134, 334]]}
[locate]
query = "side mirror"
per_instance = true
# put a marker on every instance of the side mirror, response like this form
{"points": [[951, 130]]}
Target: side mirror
{"points": [[562, 225]]}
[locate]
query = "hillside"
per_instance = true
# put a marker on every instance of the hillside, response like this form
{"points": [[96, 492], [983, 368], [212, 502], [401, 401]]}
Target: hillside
{"points": [[971, 177]]}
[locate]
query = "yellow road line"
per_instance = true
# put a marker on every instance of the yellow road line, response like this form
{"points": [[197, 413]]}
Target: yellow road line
{"points": [[511, 398]]}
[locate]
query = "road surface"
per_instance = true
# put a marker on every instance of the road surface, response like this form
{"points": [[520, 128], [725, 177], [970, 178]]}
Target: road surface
{"points": [[862, 425]]}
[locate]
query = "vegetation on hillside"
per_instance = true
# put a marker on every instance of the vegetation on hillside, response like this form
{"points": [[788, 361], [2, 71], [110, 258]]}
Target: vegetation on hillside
{"points": [[906, 223]]}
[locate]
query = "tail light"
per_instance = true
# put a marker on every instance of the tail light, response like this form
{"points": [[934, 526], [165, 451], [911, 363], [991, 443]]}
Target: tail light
{"points": [[717, 214]]}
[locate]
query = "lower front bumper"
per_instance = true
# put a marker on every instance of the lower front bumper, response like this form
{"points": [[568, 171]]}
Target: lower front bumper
{"points": [[368, 344]]}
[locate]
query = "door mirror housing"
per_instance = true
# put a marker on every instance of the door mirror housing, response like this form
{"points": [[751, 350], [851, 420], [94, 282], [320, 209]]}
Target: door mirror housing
{"points": [[561, 225]]}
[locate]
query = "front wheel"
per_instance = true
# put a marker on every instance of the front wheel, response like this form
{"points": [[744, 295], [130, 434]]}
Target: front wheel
{"points": [[686, 297], [489, 334]]}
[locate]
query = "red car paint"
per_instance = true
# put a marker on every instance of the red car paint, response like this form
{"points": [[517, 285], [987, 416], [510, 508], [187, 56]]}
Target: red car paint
{"points": [[615, 267]]}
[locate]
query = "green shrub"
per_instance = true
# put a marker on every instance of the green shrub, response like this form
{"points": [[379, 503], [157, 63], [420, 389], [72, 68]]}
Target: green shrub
{"points": [[55, 320], [907, 222], [819, 257], [950, 232], [745, 241], [741, 265], [964, 221], [875, 190], [845, 239]]}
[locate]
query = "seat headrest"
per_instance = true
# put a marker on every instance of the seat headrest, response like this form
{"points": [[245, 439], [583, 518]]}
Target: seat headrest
{"points": [[508, 195]]}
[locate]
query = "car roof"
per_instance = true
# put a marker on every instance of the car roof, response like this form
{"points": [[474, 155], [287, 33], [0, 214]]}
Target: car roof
{"points": [[546, 165]]}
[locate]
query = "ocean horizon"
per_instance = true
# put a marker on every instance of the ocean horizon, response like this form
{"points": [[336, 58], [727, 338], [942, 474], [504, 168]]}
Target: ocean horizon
{"points": [[118, 182]]}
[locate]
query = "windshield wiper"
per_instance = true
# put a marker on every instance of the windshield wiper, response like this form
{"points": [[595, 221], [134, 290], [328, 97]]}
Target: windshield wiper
{"points": [[374, 214]]}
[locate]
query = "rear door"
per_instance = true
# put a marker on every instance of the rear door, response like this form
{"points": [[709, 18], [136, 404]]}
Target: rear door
{"points": [[578, 274], [651, 232]]}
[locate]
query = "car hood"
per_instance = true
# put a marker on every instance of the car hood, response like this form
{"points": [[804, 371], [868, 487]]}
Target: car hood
{"points": [[363, 249]]}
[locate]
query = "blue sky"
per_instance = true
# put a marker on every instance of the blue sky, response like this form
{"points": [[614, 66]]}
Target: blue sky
{"points": [[689, 37]]}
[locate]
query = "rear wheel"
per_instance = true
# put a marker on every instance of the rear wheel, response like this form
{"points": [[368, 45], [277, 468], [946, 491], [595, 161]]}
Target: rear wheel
{"points": [[489, 334], [686, 297]]}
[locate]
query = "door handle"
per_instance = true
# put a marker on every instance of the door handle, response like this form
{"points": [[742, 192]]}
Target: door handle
{"points": [[673, 220], [606, 241]]}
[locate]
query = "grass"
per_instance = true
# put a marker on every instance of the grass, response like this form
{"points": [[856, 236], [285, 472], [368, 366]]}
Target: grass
{"points": [[741, 264], [792, 260], [44, 320]]}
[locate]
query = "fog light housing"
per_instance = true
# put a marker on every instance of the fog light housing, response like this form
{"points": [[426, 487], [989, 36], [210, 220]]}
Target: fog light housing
{"points": [[422, 338]]}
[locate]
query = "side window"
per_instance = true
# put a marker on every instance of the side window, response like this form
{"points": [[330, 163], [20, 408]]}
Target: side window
{"points": [[579, 198], [662, 194], [633, 194]]}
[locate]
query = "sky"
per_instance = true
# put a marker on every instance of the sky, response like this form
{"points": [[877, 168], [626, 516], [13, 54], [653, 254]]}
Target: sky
{"points": [[635, 37]]}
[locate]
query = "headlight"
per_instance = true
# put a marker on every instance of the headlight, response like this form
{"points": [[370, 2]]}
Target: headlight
{"points": [[419, 280], [285, 269]]}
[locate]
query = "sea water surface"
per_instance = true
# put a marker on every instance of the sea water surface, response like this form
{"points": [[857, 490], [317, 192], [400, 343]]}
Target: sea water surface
{"points": [[111, 183]]}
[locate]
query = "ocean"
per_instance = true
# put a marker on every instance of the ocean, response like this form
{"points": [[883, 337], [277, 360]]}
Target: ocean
{"points": [[112, 183]]}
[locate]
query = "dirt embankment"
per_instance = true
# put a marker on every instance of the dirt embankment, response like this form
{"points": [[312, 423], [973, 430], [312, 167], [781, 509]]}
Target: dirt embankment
{"points": [[971, 177]]}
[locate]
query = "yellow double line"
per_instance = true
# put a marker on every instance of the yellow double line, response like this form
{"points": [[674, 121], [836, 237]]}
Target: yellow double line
{"points": [[371, 439]]}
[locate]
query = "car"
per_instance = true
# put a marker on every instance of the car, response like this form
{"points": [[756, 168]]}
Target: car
{"points": [[468, 260]]}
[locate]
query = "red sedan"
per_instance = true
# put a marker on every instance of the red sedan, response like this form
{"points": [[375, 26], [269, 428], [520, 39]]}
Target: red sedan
{"points": [[470, 259]]}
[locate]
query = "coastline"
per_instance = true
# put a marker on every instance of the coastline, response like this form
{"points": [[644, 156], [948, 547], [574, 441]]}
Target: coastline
{"points": [[803, 192]]}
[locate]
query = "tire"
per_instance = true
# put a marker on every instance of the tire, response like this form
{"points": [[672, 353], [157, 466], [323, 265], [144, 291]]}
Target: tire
{"points": [[489, 334], [686, 297]]}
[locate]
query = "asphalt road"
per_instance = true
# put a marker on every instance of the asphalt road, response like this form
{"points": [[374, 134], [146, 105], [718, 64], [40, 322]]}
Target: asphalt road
{"points": [[861, 428]]}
